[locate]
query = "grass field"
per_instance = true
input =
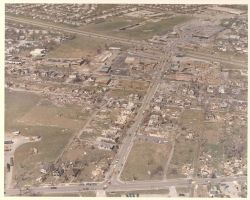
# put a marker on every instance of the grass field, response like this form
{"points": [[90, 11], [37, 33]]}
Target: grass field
{"points": [[53, 139], [69, 117], [77, 48], [14, 109], [81, 46], [133, 85], [146, 31], [186, 151], [213, 131], [146, 161], [140, 192], [27, 164], [106, 7], [82, 194], [120, 93], [183, 154], [181, 190], [239, 7], [91, 158], [60, 195]]}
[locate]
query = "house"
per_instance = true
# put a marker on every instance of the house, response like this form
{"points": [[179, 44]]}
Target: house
{"points": [[16, 132], [105, 145], [129, 60], [8, 142], [47, 168], [221, 89], [37, 53], [103, 80], [105, 69]]}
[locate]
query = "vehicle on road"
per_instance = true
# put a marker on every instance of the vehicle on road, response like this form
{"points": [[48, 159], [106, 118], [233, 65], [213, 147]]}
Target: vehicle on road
{"points": [[105, 187], [53, 187]]}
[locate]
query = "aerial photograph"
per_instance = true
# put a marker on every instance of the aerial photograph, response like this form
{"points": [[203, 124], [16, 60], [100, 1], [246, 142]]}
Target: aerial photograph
{"points": [[125, 100]]}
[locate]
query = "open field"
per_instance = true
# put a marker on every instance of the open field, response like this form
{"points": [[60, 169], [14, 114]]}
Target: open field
{"points": [[145, 31], [239, 7], [135, 84], [69, 117], [90, 161], [106, 7], [213, 131], [186, 150], [202, 191], [15, 109], [181, 190], [146, 161], [27, 164], [140, 192], [82, 194], [60, 195], [183, 154], [79, 47], [53, 139], [120, 93]]}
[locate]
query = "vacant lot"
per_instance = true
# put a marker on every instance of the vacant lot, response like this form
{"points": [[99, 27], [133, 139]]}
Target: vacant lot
{"points": [[82, 194], [133, 85], [144, 31], [90, 160], [213, 131], [187, 150], [69, 117], [16, 105], [53, 139], [120, 93], [183, 154], [146, 161], [79, 47], [27, 164]]}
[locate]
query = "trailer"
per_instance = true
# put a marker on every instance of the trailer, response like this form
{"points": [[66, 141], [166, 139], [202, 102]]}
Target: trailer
{"points": [[8, 142], [11, 161], [8, 167]]}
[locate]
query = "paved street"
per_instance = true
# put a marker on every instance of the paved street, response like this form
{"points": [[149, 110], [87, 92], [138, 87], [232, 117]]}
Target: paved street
{"points": [[112, 181], [126, 186]]}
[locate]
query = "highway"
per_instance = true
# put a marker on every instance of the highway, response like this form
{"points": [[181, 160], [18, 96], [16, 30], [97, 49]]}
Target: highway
{"points": [[77, 31], [210, 58], [112, 177]]}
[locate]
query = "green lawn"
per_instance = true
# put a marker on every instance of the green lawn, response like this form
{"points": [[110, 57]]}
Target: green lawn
{"points": [[53, 139], [146, 31], [16, 105]]}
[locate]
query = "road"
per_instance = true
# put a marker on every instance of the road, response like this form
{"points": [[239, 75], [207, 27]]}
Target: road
{"points": [[77, 31], [208, 57], [116, 168], [18, 141], [118, 164], [126, 186]]}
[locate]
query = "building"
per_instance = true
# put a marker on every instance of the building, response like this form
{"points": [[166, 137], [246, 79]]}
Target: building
{"points": [[38, 53], [8, 142], [129, 60], [103, 80], [105, 145], [16, 132], [105, 69]]}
